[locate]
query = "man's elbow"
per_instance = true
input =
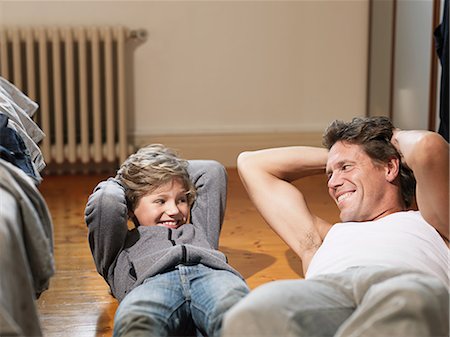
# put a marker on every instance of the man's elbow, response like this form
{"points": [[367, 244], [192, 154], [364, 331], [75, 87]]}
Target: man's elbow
{"points": [[431, 149], [243, 161]]}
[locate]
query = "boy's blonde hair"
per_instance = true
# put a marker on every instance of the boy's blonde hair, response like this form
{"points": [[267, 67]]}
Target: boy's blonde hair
{"points": [[149, 168]]}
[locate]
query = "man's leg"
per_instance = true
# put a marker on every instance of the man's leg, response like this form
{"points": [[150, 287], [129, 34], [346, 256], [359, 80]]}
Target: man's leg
{"points": [[406, 304], [300, 308]]}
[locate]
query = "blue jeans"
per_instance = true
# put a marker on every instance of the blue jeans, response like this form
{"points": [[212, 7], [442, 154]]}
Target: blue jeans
{"points": [[178, 302]]}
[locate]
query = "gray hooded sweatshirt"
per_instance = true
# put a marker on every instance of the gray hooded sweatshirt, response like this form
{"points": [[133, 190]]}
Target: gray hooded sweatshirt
{"points": [[125, 258]]}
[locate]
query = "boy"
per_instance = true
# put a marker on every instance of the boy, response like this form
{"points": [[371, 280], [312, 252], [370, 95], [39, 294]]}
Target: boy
{"points": [[167, 272]]}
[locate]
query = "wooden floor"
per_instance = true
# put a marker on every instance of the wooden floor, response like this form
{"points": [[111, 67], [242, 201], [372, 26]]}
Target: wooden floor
{"points": [[78, 303]]}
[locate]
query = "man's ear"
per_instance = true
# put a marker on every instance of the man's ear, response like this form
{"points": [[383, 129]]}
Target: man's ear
{"points": [[392, 169]]}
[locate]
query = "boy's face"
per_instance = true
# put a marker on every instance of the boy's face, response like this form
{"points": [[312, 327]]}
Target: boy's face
{"points": [[166, 206]]}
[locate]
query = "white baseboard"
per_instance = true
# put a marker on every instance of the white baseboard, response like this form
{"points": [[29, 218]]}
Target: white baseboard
{"points": [[226, 147]]}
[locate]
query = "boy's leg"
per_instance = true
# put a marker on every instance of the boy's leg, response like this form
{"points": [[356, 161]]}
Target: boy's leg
{"points": [[155, 308], [213, 293], [289, 308], [210, 179]]}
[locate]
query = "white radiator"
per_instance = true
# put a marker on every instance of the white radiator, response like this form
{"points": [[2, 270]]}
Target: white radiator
{"points": [[77, 76]]}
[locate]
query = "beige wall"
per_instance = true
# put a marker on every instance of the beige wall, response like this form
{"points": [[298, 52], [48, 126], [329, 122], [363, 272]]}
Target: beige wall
{"points": [[402, 83], [381, 30], [414, 43], [230, 68]]}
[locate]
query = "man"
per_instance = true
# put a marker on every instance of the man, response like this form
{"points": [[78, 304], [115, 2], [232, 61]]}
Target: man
{"points": [[382, 271]]}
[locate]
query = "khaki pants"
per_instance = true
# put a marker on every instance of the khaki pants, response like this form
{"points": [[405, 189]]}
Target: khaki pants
{"points": [[366, 301]]}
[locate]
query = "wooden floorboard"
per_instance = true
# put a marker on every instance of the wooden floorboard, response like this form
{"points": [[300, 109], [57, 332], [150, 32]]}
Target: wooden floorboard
{"points": [[78, 302]]}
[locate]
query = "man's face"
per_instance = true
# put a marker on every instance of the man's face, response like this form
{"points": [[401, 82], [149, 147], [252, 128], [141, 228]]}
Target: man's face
{"points": [[166, 206], [355, 183]]}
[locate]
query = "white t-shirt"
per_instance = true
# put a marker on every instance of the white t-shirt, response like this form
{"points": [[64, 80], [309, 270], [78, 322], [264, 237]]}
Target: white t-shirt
{"points": [[398, 240]]}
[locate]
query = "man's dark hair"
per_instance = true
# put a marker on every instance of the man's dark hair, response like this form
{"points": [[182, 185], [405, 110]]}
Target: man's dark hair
{"points": [[374, 135]]}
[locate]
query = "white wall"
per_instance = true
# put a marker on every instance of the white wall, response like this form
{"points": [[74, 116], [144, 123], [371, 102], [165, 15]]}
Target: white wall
{"points": [[230, 67]]}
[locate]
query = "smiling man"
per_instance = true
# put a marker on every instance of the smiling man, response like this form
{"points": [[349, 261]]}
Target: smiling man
{"points": [[383, 270]]}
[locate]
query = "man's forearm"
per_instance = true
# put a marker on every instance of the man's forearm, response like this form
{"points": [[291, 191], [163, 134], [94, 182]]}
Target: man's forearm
{"points": [[427, 154], [405, 141], [287, 163]]}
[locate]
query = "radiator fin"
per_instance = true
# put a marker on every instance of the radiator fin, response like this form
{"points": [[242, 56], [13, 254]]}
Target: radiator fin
{"points": [[77, 76]]}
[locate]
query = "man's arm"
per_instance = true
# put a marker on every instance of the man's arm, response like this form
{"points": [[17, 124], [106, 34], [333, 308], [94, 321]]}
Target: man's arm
{"points": [[427, 154], [267, 176]]}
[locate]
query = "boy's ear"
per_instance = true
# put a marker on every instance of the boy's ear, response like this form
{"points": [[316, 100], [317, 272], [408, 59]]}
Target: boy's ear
{"points": [[131, 214], [392, 169], [133, 218]]}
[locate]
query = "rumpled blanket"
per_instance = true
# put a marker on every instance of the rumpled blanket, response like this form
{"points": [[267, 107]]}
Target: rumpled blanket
{"points": [[26, 229], [26, 251]]}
